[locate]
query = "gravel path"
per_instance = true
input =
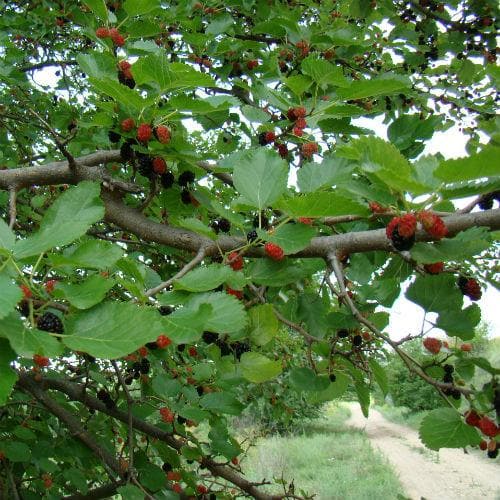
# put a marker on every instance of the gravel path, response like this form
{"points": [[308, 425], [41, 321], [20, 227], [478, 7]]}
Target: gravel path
{"points": [[449, 474]]}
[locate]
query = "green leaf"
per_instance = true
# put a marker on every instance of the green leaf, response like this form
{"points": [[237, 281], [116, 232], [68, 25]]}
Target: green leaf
{"points": [[221, 402], [97, 64], [112, 329], [228, 314], [67, 219], [92, 254], [271, 273], [292, 237], [465, 244], [197, 226], [204, 278], [257, 368], [140, 7], [26, 341], [186, 325], [312, 310], [460, 323], [98, 7], [8, 376], [120, 93], [88, 293], [332, 171], [11, 294], [7, 238], [220, 24], [363, 392], [157, 69], [324, 73], [387, 84], [321, 204], [16, 451], [334, 391], [261, 177], [166, 386], [482, 164], [304, 379], [129, 491], [380, 375], [435, 293], [263, 324], [444, 428]]}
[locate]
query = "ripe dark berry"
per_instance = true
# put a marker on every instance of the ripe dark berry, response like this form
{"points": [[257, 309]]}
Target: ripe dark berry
{"points": [[181, 420], [264, 222], [165, 310], [186, 196], [187, 177], [252, 236], [357, 340], [240, 348], [332, 377], [125, 80], [224, 347], [199, 390], [145, 166], [114, 137], [342, 333], [166, 467], [126, 151], [273, 251], [448, 368], [49, 322], [448, 378], [209, 337], [266, 138], [181, 347], [224, 225], [283, 151], [145, 366], [167, 180], [493, 453], [103, 395]]}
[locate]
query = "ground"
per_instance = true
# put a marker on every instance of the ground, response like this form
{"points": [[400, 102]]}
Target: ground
{"points": [[449, 474]]}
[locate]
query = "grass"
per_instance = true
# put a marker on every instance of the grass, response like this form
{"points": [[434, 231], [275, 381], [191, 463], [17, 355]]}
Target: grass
{"points": [[402, 415], [328, 459]]}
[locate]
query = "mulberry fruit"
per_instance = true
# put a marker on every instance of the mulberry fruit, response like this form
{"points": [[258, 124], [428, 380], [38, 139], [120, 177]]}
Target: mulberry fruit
{"points": [[433, 225], [186, 196], [224, 225], [435, 268], [163, 134], [401, 231], [127, 125], [144, 132], [432, 344], [469, 287], [159, 165], [187, 177], [252, 236], [266, 138], [309, 149], [49, 322], [167, 180], [274, 252], [235, 260]]}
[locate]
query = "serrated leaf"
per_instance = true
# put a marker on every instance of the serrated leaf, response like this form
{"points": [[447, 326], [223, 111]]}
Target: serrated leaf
{"points": [[88, 293], [270, 273], [320, 204], [380, 375], [334, 391], [482, 164], [228, 314], [261, 177], [460, 323], [120, 93], [7, 237], [304, 379], [140, 7], [292, 237], [27, 341], [130, 492], [331, 171], [444, 428], [222, 402], [204, 278], [98, 7], [257, 368], [156, 68], [197, 226], [186, 325], [387, 84], [435, 293], [263, 324], [9, 297], [324, 73], [92, 254], [97, 64], [16, 451], [8, 376], [67, 219], [112, 329]]}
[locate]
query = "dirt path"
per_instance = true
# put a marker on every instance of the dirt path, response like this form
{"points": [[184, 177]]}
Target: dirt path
{"points": [[445, 475]]}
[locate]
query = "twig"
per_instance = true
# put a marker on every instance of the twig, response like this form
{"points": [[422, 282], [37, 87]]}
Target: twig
{"points": [[130, 437], [12, 206], [190, 265], [15, 493]]}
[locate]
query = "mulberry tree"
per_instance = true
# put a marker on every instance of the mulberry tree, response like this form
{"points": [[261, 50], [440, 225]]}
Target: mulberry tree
{"points": [[198, 219]]}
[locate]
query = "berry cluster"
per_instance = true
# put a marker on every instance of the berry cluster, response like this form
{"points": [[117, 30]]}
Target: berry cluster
{"points": [[401, 231], [137, 369], [104, 396], [113, 33], [488, 428], [469, 287], [49, 322]]}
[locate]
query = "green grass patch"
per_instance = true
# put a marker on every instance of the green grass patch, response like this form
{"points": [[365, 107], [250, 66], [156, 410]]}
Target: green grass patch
{"points": [[328, 459], [402, 415]]}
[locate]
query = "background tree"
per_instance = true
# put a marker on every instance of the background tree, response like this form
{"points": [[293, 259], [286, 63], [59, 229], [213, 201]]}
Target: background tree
{"points": [[186, 192]]}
